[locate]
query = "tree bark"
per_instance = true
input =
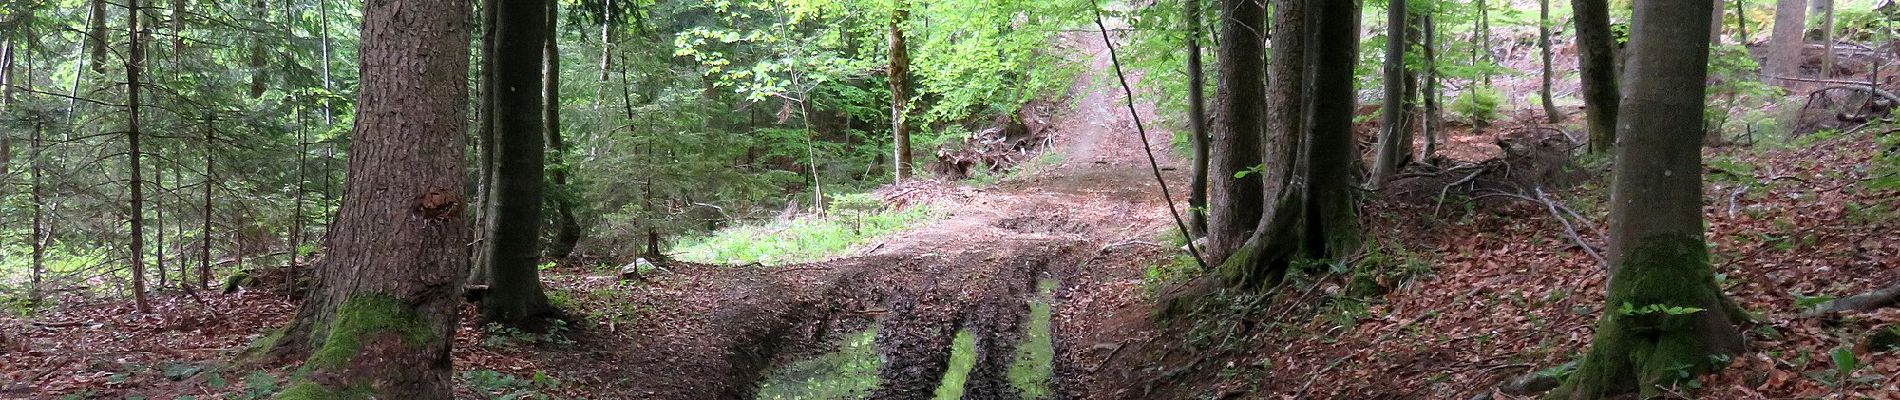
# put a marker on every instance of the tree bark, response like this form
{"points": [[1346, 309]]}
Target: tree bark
{"points": [[380, 317], [1234, 203], [1784, 47], [484, 144], [1551, 114], [1263, 260], [1197, 125], [1826, 8], [900, 92], [204, 262], [567, 229], [1596, 58], [258, 61], [514, 295], [1433, 117], [136, 56], [96, 34], [1393, 132], [1332, 218], [1657, 251]]}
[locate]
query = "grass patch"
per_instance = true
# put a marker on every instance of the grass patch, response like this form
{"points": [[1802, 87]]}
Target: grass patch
{"points": [[848, 373], [799, 240], [1035, 355], [962, 359]]}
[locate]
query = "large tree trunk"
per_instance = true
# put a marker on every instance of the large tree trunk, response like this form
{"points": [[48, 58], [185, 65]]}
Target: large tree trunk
{"points": [[1596, 58], [1784, 47], [134, 153], [1234, 203], [1263, 261], [1657, 252], [1332, 220], [514, 295], [1393, 132], [380, 317], [900, 93], [567, 229], [1543, 44], [1197, 125]]}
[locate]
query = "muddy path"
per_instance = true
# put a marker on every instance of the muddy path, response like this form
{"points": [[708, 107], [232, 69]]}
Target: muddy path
{"points": [[715, 334]]}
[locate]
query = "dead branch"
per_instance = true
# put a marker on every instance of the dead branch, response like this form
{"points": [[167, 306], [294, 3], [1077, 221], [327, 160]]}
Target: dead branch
{"points": [[1875, 299], [1570, 229]]}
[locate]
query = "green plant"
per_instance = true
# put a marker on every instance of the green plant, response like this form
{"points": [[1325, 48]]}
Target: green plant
{"points": [[797, 240], [850, 372], [1479, 104], [500, 386]]}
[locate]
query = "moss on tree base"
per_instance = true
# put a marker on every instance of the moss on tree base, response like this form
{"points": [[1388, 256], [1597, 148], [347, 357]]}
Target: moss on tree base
{"points": [[1664, 322], [364, 350]]}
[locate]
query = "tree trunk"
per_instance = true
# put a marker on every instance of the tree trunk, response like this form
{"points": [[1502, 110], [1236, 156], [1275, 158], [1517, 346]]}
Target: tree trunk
{"points": [[204, 262], [134, 154], [1234, 203], [1827, 36], [567, 230], [485, 145], [1741, 23], [900, 92], [1596, 58], [514, 295], [36, 169], [380, 317], [1392, 132], [1197, 125], [1784, 47], [1263, 260], [1657, 252], [1715, 24], [1433, 117], [1551, 114], [1332, 219], [96, 35], [260, 21]]}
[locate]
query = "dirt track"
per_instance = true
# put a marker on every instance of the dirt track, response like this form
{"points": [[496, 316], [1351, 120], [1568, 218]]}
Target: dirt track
{"points": [[975, 270]]}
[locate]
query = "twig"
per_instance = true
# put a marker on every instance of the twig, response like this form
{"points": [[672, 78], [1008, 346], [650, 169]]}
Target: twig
{"points": [[1142, 131], [1447, 190], [1129, 243], [1571, 230], [1735, 197]]}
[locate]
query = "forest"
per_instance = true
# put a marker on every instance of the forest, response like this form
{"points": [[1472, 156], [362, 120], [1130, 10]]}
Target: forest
{"points": [[944, 199]]}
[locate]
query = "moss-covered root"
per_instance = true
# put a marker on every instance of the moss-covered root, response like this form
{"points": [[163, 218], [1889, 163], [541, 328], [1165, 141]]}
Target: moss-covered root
{"points": [[375, 347], [1664, 323]]}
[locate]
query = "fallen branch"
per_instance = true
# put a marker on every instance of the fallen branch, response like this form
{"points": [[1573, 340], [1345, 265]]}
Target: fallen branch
{"points": [[1861, 302]]}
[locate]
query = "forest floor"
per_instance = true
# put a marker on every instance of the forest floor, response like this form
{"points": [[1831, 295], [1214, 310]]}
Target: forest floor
{"points": [[1451, 298]]}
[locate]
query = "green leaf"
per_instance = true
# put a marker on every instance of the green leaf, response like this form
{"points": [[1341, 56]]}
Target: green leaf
{"points": [[1844, 361]]}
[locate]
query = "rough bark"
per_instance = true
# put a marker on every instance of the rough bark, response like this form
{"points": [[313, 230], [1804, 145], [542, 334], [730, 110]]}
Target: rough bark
{"points": [[136, 56], [379, 318], [1197, 124], [567, 229], [1263, 259], [1393, 132], [1551, 114], [1332, 220], [1234, 203], [900, 93], [1657, 252], [514, 295], [1784, 46], [1596, 58]]}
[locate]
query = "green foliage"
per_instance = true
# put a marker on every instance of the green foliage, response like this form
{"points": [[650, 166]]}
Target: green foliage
{"points": [[1647, 309], [491, 384], [1477, 104], [799, 239], [1734, 78]]}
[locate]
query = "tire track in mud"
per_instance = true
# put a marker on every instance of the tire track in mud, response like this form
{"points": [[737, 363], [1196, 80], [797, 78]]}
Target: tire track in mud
{"points": [[975, 270]]}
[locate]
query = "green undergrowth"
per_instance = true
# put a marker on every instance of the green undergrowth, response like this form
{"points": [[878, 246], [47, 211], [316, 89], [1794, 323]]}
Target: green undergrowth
{"points": [[802, 239], [962, 359], [1036, 355]]}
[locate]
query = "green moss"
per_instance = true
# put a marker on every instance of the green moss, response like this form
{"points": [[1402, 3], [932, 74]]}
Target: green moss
{"points": [[962, 360], [1645, 352], [365, 315]]}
